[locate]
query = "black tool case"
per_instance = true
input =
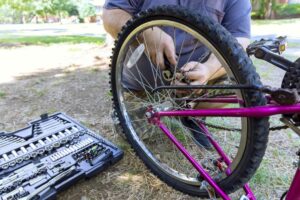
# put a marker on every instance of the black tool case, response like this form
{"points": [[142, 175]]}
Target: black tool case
{"points": [[50, 155]]}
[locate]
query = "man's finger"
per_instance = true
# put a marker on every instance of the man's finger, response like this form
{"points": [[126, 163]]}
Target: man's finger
{"points": [[189, 66], [179, 83], [195, 75], [197, 83], [160, 60], [171, 54], [153, 58]]}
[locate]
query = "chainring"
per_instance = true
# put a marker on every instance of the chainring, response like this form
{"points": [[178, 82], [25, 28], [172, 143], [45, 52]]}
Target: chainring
{"points": [[291, 80]]}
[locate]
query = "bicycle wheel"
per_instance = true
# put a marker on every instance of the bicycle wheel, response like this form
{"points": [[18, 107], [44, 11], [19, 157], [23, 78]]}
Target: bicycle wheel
{"points": [[244, 140]]}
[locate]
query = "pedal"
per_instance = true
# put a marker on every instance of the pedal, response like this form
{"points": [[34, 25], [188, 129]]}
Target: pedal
{"points": [[277, 45]]}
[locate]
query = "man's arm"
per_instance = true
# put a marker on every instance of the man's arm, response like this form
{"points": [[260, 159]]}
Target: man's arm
{"points": [[219, 71], [114, 20], [158, 43], [201, 73]]}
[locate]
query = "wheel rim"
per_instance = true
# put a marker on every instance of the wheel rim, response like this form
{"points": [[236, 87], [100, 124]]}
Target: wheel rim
{"points": [[152, 150]]}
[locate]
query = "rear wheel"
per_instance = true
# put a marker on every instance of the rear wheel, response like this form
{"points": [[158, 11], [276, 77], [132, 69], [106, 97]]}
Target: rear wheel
{"points": [[244, 141]]}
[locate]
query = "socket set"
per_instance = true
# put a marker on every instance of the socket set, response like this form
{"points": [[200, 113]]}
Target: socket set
{"points": [[51, 154]]}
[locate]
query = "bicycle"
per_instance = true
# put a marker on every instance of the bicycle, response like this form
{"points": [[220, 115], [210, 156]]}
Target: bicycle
{"points": [[153, 115]]}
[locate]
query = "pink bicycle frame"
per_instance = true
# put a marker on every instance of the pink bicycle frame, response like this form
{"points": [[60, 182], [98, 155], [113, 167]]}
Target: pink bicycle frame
{"points": [[260, 111]]}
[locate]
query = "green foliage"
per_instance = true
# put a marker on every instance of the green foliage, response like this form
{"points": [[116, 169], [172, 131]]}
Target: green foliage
{"points": [[287, 9], [2, 94], [263, 9], [45, 40], [86, 9], [20, 10]]}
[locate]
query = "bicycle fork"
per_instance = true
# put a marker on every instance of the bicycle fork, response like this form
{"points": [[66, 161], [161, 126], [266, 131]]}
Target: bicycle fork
{"points": [[204, 174]]}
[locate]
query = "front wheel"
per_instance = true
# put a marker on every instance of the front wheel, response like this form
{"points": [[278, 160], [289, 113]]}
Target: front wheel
{"points": [[134, 75]]}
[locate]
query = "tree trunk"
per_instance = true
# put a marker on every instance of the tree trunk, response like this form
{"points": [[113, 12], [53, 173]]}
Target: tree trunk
{"points": [[255, 5], [269, 13], [46, 17], [59, 16], [23, 19]]}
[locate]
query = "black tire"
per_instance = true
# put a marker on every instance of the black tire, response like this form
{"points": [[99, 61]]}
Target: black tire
{"points": [[244, 73]]}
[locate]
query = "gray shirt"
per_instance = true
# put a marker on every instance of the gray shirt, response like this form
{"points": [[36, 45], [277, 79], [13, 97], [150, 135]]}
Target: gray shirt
{"points": [[234, 15]]}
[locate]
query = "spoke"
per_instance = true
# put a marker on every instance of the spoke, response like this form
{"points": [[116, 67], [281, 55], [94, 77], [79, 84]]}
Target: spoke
{"points": [[175, 70], [192, 53], [190, 134], [135, 102], [152, 66], [141, 83], [179, 56], [144, 133], [158, 71], [180, 52], [172, 124], [149, 137], [148, 53], [134, 95], [156, 49], [141, 127], [140, 74], [138, 120]]}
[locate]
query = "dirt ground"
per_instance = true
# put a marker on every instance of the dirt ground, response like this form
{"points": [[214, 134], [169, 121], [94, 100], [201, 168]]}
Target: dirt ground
{"points": [[74, 79]]}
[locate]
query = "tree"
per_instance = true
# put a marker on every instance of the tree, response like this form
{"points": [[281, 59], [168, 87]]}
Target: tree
{"points": [[24, 10], [60, 7], [86, 9], [264, 8]]}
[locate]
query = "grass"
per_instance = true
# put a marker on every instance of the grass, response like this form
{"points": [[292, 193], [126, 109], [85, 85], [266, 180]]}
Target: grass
{"points": [[288, 9], [275, 22], [47, 40], [2, 94], [293, 44]]}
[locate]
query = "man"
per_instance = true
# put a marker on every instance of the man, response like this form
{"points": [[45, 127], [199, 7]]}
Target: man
{"points": [[234, 15]]}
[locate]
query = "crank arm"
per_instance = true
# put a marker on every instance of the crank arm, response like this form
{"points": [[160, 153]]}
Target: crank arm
{"points": [[267, 55]]}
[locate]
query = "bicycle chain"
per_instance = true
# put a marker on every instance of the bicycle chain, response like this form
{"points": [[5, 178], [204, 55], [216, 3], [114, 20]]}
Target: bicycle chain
{"points": [[291, 80], [210, 125], [274, 128]]}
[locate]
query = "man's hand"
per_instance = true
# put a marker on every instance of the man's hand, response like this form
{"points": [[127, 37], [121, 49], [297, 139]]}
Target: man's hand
{"points": [[193, 73], [196, 73], [212, 69], [159, 45]]}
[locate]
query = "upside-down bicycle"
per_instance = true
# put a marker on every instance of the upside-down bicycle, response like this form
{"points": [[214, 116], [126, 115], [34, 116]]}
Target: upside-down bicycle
{"points": [[231, 114]]}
